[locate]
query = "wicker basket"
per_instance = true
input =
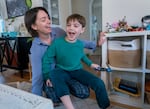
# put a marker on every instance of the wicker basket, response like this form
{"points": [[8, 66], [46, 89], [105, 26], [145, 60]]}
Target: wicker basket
{"points": [[126, 54]]}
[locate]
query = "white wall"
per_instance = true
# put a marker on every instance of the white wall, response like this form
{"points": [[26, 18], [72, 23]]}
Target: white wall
{"points": [[82, 7], [134, 10], [37, 3], [65, 11]]}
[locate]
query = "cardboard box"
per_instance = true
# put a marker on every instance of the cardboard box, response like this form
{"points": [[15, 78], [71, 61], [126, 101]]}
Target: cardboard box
{"points": [[125, 54]]}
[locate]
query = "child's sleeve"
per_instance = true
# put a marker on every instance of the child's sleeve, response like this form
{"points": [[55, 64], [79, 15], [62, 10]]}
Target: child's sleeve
{"points": [[86, 60]]}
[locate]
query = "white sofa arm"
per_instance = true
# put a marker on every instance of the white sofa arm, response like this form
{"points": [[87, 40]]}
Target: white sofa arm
{"points": [[12, 98]]}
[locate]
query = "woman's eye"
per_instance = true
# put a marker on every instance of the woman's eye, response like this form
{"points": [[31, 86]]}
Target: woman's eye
{"points": [[43, 20]]}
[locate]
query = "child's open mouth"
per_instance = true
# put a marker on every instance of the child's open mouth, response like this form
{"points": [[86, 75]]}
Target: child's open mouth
{"points": [[71, 33]]}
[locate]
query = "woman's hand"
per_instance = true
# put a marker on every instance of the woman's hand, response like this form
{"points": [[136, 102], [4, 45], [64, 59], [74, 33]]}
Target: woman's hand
{"points": [[49, 83], [102, 38]]}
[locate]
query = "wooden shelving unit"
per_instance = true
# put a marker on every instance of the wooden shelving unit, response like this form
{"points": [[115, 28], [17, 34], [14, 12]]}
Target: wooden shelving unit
{"points": [[136, 74]]}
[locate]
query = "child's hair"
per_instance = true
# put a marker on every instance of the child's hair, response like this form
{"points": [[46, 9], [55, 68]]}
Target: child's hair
{"points": [[77, 17]]}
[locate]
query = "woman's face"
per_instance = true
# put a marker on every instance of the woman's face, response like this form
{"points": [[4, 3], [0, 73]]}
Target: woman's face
{"points": [[42, 24]]}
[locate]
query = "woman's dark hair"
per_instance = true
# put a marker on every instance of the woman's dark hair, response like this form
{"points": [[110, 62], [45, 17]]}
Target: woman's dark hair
{"points": [[30, 18]]}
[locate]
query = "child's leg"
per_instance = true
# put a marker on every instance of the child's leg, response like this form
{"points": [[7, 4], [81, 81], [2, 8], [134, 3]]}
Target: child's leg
{"points": [[67, 102], [95, 83], [59, 80]]}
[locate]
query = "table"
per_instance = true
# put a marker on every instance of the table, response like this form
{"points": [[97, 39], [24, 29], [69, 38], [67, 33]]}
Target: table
{"points": [[14, 50], [7, 50]]}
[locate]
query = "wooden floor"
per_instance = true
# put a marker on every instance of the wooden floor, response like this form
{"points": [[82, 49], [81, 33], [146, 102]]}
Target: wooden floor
{"points": [[14, 75]]}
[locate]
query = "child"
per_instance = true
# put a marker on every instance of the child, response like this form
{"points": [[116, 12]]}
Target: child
{"points": [[69, 52]]}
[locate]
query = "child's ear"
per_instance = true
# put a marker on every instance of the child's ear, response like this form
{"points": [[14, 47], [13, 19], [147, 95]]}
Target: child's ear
{"points": [[83, 29]]}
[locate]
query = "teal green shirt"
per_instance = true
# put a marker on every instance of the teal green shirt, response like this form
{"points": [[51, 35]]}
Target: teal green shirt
{"points": [[68, 56]]}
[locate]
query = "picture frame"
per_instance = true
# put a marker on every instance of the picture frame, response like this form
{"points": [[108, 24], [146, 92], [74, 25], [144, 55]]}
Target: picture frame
{"points": [[16, 8]]}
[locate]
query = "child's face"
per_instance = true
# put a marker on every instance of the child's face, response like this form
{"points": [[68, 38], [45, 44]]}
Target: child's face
{"points": [[73, 30], [42, 23]]}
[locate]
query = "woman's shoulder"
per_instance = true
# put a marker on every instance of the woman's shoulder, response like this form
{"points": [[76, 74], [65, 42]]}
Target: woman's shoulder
{"points": [[38, 47], [57, 32], [36, 40]]}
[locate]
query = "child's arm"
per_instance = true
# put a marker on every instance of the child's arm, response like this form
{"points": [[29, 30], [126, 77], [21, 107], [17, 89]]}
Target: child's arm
{"points": [[47, 60], [87, 61]]}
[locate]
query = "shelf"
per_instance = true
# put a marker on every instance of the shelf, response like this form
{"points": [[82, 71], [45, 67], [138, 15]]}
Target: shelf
{"points": [[125, 99], [139, 74], [147, 70], [139, 69], [116, 85], [146, 106], [124, 34]]}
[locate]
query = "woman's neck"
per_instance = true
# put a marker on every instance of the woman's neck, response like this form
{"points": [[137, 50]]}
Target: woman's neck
{"points": [[45, 39]]}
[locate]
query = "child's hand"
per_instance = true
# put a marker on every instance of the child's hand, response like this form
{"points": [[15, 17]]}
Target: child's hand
{"points": [[95, 66], [48, 83]]}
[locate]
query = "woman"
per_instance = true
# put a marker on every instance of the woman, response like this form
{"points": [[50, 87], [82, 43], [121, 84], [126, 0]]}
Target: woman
{"points": [[38, 24]]}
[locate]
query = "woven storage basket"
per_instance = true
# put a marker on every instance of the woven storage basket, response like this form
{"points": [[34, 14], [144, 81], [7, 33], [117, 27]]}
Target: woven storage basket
{"points": [[126, 54]]}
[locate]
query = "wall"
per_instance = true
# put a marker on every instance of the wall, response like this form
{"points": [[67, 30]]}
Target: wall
{"points": [[134, 10], [65, 11], [112, 10], [82, 7]]}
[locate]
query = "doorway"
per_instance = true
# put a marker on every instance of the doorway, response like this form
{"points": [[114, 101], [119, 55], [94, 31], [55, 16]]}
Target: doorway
{"points": [[95, 7]]}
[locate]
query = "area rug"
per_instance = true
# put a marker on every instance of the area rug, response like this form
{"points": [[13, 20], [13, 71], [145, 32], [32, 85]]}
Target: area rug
{"points": [[26, 86], [86, 104], [78, 103]]}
